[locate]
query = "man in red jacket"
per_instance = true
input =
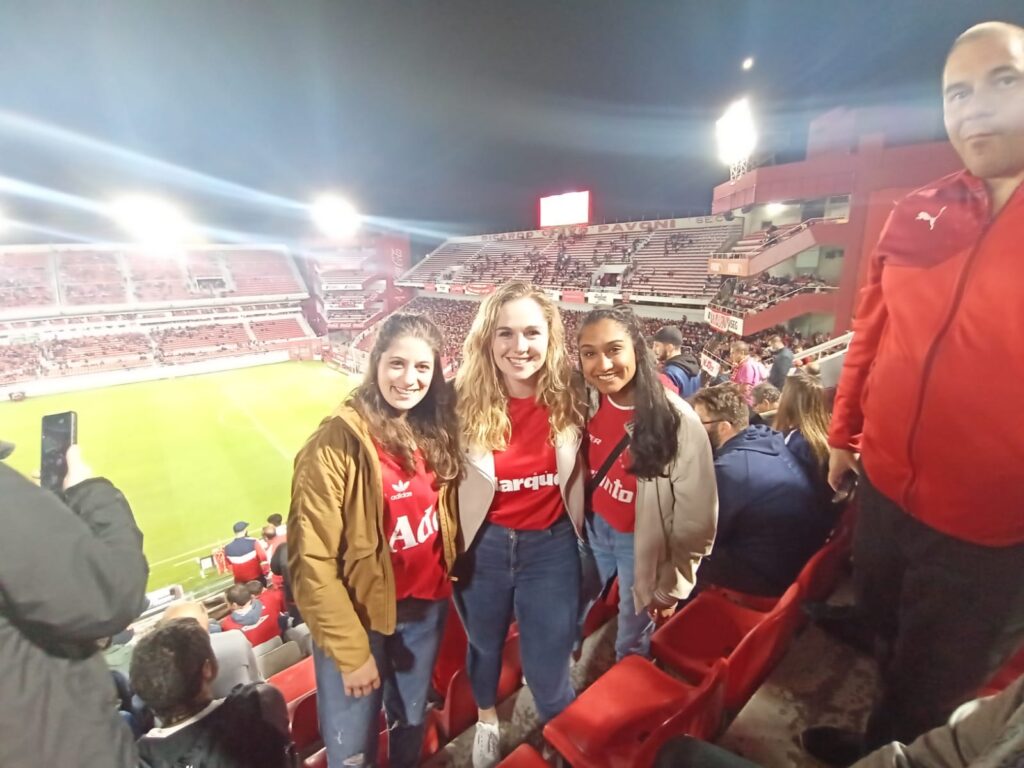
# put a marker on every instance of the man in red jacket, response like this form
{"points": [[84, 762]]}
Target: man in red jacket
{"points": [[939, 548]]}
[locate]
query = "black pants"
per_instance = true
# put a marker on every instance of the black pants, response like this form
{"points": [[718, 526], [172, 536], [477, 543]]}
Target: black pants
{"points": [[946, 615]]}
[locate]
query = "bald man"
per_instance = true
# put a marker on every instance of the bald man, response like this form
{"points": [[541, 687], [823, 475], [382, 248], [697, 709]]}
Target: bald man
{"points": [[236, 661], [939, 547]]}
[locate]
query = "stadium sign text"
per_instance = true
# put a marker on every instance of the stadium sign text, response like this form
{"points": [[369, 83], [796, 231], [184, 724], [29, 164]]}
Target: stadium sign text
{"points": [[709, 365], [721, 321]]}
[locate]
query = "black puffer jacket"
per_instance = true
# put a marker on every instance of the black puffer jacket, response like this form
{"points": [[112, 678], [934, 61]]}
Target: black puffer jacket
{"points": [[70, 575]]}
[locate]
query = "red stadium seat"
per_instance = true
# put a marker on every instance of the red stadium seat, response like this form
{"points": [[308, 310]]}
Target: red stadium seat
{"points": [[295, 681], [713, 627], [622, 720], [451, 656], [819, 576], [305, 727], [317, 760], [603, 610], [1006, 674], [459, 710], [524, 756]]}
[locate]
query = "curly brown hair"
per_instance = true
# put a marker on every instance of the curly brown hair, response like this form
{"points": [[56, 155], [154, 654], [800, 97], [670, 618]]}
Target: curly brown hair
{"points": [[430, 426]]}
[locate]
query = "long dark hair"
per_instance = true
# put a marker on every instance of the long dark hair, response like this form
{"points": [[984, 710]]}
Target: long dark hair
{"points": [[431, 425], [655, 421]]}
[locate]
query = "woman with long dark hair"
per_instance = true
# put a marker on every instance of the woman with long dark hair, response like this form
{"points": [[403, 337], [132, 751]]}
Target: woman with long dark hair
{"points": [[520, 504], [372, 539], [652, 502]]}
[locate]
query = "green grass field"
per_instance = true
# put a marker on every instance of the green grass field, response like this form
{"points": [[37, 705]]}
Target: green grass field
{"points": [[193, 455]]}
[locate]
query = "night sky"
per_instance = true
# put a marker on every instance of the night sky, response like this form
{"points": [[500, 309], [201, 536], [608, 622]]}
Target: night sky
{"points": [[447, 116]]}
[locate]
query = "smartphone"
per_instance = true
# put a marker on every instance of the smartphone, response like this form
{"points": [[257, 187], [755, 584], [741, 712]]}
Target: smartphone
{"points": [[846, 488], [60, 432]]}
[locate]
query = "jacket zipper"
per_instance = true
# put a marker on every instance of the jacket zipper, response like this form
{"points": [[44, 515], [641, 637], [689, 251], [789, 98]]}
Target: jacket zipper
{"points": [[929, 361]]}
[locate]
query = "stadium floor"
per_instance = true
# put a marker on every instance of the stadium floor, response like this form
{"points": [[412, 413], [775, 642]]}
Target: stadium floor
{"points": [[193, 454]]}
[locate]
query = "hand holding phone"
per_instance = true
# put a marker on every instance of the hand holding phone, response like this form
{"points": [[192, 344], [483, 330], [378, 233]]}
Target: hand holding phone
{"points": [[59, 433]]}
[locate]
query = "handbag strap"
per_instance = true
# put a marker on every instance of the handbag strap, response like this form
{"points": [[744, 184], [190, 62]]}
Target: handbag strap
{"points": [[595, 481]]}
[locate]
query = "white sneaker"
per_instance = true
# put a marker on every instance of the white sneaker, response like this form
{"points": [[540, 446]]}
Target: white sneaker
{"points": [[486, 745]]}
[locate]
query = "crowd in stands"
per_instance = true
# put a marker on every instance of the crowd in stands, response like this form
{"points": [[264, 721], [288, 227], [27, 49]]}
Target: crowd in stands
{"points": [[121, 350], [759, 293]]}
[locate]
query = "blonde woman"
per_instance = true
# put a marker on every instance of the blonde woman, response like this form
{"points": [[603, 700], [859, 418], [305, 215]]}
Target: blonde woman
{"points": [[520, 502]]}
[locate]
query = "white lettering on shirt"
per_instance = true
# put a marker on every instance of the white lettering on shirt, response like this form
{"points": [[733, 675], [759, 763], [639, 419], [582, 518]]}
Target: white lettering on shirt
{"points": [[403, 537], [616, 491], [527, 483]]}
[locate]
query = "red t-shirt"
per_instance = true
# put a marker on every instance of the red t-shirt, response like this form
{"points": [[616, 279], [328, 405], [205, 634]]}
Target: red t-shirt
{"points": [[526, 495], [615, 498], [411, 528]]}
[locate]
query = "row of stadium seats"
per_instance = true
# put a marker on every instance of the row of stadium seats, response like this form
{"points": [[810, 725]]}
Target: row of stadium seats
{"points": [[106, 277], [708, 660], [102, 351], [661, 262]]}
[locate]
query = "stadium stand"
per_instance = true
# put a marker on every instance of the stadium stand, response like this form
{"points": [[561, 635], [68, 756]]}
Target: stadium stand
{"points": [[70, 310], [667, 257]]}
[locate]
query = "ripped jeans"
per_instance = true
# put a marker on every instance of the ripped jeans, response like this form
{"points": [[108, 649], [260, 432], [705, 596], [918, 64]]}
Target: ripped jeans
{"points": [[405, 661]]}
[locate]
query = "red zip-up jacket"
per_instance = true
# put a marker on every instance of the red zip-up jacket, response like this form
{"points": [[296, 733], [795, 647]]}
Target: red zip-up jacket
{"points": [[931, 389]]}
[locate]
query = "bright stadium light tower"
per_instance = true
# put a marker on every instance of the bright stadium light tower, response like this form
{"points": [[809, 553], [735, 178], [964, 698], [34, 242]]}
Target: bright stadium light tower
{"points": [[736, 137], [748, 63], [152, 221], [335, 217]]}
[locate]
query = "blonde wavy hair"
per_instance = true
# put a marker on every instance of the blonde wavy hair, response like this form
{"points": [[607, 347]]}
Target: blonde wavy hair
{"points": [[482, 403]]}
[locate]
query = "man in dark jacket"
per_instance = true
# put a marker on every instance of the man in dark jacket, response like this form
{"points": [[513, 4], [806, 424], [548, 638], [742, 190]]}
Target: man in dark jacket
{"points": [[73, 573], [769, 523], [782, 361], [680, 366]]}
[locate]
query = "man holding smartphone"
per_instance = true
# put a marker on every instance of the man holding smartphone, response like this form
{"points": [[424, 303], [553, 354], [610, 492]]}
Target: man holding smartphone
{"points": [[939, 546], [72, 573]]}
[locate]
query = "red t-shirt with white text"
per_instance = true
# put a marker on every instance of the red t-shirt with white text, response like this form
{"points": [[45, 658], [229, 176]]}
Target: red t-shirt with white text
{"points": [[411, 528], [615, 498], [526, 495]]}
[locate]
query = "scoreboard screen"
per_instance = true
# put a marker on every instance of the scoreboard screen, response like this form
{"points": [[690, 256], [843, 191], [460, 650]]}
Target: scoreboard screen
{"points": [[562, 210]]}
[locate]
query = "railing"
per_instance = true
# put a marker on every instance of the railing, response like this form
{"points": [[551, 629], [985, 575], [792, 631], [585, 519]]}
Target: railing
{"points": [[744, 311], [782, 236]]}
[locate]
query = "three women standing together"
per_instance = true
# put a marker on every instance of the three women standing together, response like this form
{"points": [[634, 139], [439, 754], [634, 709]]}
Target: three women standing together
{"points": [[495, 488]]}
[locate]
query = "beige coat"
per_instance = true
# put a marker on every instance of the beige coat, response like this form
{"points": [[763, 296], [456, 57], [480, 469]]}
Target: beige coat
{"points": [[676, 515], [476, 492]]}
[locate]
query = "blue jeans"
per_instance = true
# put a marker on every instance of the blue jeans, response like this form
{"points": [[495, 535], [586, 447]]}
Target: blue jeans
{"points": [[613, 553], [534, 575], [405, 661]]}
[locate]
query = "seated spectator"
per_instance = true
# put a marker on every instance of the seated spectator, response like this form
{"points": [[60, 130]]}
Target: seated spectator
{"points": [[803, 419], [766, 401], [272, 598], [172, 671], [236, 661], [277, 521], [768, 521], [247, 557], [249, 615]]}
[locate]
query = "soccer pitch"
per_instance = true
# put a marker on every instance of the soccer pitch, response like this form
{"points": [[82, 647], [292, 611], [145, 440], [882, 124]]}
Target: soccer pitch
{"points": [[193, 455]]}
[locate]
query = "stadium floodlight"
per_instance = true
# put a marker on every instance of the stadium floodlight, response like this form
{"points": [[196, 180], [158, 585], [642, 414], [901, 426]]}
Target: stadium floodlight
{"points": [[152, 221], [335, 217], [748, 63], [4, 223], [736, 137]]}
